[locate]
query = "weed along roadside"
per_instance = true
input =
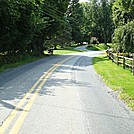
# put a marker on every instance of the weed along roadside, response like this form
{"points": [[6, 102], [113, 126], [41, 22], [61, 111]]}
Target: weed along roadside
{"points": [[116, 78]]}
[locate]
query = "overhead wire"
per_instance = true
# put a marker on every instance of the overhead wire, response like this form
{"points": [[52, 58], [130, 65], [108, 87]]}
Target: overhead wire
{"points": [[59, 19], [58, 13], [54, 9]]}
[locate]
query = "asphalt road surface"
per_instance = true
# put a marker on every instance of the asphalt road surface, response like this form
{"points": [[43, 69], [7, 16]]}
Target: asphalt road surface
{"points": [[61, 95]]}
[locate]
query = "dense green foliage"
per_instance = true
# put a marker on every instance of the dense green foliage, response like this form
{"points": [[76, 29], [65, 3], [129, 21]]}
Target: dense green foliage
{"points": [[123, 17], [92, 19], [32, 26], [101, 46], [29, 26]]}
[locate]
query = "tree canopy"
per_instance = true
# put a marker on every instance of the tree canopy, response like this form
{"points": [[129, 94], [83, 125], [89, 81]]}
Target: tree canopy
{"points": [[123, 18], [26, 25], [32, 26]]}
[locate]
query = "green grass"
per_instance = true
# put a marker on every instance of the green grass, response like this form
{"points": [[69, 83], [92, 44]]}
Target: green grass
{"points": [[27, 59], [116, 78], [101, 46], [66, 51]]}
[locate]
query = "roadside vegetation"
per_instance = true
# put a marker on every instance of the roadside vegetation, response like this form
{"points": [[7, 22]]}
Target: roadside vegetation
{"points": [[30, 58], [116, 78], [28, 28], [26, 59], [97, 47], [66, 51], [33, 26]]}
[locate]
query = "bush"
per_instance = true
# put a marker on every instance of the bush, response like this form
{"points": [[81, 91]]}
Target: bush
{"points": [[124, 38]]}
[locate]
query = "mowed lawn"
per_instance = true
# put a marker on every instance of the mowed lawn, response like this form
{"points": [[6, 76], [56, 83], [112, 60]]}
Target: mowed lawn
{"points": [[116, 78], [66, 51]]}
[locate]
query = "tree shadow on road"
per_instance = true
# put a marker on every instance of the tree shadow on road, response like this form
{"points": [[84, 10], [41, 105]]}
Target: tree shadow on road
{"points": [[15, 83], [66, 70]]}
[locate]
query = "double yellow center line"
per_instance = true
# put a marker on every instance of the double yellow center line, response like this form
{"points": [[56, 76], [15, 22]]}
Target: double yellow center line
{"points": [[39, 84]]}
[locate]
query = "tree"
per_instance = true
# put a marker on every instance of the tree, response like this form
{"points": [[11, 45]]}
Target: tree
{"points": [[86, 27], [106, 23], [56, 10], [26, 25], [123, 19], [9, 15], [102, 25], [75, 17]]}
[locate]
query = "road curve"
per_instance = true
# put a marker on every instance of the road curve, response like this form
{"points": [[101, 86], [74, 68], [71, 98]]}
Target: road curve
{"points": [[68, 98]]}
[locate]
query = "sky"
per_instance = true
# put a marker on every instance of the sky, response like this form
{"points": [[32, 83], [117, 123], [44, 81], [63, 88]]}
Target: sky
{"points": [[83, 0]]}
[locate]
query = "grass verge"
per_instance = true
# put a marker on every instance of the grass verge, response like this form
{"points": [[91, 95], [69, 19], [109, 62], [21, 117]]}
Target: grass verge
{"points": [[101, 46], [27, 59], [116, 78], [66, 51]]}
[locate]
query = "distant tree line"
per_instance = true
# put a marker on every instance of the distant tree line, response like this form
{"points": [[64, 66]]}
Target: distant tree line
{"points": [[92, 19], [107, 20], [32, 26]]}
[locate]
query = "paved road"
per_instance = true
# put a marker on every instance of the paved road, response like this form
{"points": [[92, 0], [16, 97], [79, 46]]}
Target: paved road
{"points": [[67, 97]]}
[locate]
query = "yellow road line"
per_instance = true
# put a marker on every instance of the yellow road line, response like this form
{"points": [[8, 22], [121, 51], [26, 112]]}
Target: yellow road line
{"points": [[27, 108], [12, 115], [20, 104]]}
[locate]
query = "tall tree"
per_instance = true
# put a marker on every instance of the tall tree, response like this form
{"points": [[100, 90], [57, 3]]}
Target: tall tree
{"points": [[25, 25], [97, 20], [123, 17], [106, 22]]}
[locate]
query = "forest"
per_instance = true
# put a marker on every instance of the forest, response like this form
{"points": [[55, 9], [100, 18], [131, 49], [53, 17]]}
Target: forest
{"points": [[28, 27]]}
